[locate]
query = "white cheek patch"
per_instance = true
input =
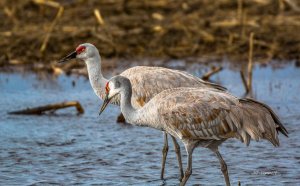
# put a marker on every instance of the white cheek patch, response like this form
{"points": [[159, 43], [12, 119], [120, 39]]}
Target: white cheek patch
{"points": [[112, 90], [81, 56], [111, 86]]}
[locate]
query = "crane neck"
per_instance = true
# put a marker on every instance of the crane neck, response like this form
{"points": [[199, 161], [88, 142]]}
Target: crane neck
{"points": [[96, 78], [127, 109], [137, 116], [133, 115]]}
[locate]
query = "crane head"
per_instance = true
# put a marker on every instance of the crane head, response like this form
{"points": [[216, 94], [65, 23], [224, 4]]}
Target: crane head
{"points": [[83, 51], [114, 87], [108, 96]]}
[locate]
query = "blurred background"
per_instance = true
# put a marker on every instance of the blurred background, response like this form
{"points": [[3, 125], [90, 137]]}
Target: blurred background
{"points": [[252, 47], [45, 30]]}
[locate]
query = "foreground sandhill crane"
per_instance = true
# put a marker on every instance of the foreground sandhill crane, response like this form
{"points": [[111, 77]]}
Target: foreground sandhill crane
{"points": [[199, 117], [146, 83]]}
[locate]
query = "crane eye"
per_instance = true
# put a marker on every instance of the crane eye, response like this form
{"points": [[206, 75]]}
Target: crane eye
{"points": [[117, 84], [80, 49]]}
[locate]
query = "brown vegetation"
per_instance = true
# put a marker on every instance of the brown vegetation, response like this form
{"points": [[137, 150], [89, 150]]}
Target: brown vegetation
{"points": [[46, 30]]}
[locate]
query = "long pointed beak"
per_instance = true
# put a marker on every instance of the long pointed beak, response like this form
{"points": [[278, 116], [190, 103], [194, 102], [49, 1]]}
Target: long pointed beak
{"points": [[104, 105], [68, 57]]}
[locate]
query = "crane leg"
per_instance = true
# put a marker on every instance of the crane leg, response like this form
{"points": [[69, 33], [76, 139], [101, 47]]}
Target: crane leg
{"points": [[177, 150], [223, 167], [189, 149], [164, 157]]}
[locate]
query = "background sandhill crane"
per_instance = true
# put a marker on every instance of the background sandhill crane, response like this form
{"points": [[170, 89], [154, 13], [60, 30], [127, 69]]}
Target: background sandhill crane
{"points": [[146, 83], [199, 117]]}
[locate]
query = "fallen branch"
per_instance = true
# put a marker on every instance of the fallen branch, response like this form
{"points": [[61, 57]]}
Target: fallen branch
{"points": [[244, 81], [212, 72], [52, 107]]}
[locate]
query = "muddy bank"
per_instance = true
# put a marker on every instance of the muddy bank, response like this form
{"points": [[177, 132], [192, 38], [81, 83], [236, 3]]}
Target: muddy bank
{"points": [[40, 30]]}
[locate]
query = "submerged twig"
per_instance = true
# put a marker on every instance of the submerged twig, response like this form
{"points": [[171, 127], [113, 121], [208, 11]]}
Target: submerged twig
{"points": [[212, 72], [52, 107], [244, 81]]}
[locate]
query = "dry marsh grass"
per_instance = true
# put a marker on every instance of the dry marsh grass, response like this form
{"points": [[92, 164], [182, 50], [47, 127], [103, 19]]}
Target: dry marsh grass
{"points": [[46, 30]]}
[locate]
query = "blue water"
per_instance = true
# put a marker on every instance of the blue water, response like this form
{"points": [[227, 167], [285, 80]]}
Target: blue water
{"points": [[66, 149]]}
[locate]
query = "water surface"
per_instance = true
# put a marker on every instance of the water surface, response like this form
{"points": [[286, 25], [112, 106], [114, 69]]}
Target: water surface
{"points": [[66, 149]]}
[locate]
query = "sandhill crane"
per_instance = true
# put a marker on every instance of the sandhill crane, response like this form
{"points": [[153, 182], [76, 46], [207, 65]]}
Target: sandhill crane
{"points": [[146, 83], [199, 117]]}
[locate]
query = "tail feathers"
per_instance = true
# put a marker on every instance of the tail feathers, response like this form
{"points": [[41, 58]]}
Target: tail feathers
{"points": [[268, 127], [280, 127]]}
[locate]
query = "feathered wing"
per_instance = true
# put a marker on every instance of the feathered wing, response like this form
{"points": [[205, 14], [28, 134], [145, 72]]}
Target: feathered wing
{"points": [[149, 81], [207, 114], [205, 84]]}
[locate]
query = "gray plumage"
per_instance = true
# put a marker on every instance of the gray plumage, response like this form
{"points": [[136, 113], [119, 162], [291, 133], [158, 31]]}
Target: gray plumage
{"points": [[201, 117], [146, 81]]}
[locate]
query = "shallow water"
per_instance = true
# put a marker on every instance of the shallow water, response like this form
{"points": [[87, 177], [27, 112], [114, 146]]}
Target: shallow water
{"points": [[66, 149]]}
